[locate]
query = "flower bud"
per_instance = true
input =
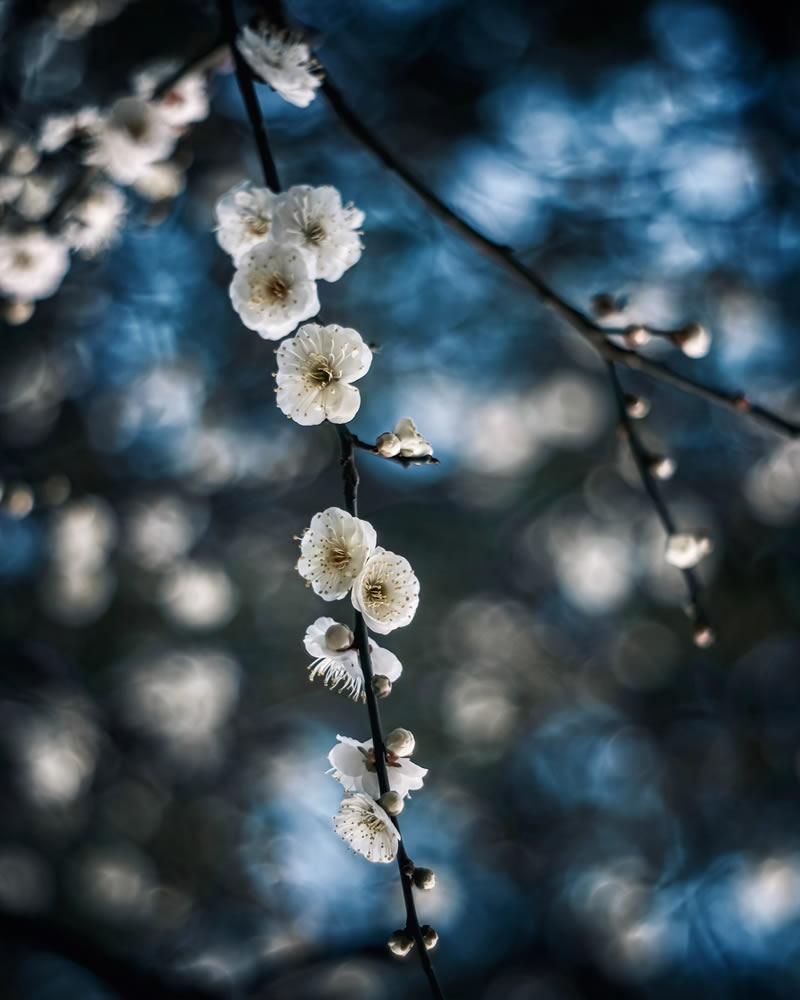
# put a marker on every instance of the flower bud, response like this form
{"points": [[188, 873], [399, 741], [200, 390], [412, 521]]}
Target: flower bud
{"points": [[400, 742], [400, 943], [693, 339], [381, 685], [637, 406], [424, 878], [17, 313], [338, 638], [704, 635], [429, 936], [636, 335], [388, 445], [662, 466], [685, 550], [391, 803]]}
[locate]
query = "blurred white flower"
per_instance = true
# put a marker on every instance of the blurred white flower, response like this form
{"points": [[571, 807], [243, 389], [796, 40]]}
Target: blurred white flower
{"points": [[341, 668], [367, 828], [334, 550], [32, 264], [283, 62], [353, 764], [132, 135], [386, 591], [244, 217], [186, 100], [412, 443], [315, 220], [198, 595], [686, 550], [315, 369], [273, 290], [96, 220], [38, 195], [160, 181], [56, 131], [694, 340]]}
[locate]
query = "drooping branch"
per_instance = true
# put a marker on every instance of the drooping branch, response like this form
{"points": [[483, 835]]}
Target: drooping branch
{"points": [[350, 482]]}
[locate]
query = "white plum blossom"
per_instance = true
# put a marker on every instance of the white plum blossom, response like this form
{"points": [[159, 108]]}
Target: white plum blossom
{"points": [[273, 289], [412, 443], [386, 592], [244, 217], [186, 100], [160, 181], [315, 369], [315, 220], [334, 550], [694, 340], [353, 764], [131, 136], [341, 667], [283, 61], [686, 550], [96, 220], [367, 828], [32, 264]]}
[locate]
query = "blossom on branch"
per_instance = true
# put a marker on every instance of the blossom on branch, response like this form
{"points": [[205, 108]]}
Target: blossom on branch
{"points": [[412, 443], [315, 219], [282, 61], [186, 100], [273, 289], [131, 136], [32, 264], [386, 592], [686, 550], [94, 223], [334, 550], [353, 764], [315, 369], [367, 828], [244, 217]]}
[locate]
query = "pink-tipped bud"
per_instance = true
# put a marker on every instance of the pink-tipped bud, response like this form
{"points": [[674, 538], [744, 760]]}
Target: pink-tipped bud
{"points": [[636, 335], [338, 638], [381, 685], [637, 407], [400, 943]]}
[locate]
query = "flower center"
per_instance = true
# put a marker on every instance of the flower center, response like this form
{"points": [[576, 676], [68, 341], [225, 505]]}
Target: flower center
{"points": [[314, 233], [373, 823], [257, 226], [375, 593], [321, 371], [136, 128], [22, 259], [338, 555], [271, 288]]}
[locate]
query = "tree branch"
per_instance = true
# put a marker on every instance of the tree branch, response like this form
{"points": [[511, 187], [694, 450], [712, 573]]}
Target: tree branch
{"points": [[400, 459]]}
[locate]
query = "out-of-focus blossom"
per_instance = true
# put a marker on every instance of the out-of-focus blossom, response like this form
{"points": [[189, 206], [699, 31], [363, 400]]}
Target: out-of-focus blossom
{"points": [[367, 828], [386, 592], [160, 181], [341, 667], [32, 264], [694, 340], [353, 764], [315, 371], [244, 217], [686, 550], [198, 595], [412, 443], [131, 136], [75, 17], [315, 220], [38, 195], [96, 220], [283, 61], [334, 550], [273, 289], [186, 100]]}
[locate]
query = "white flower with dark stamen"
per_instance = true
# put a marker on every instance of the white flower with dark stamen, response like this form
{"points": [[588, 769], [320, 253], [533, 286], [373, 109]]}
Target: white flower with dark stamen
{"points": [[412, 443], [367, 828], [386, 592], [315, 220], [282, 61], [273, 290], [32, 264], [315, 369], [340, 668], [353, 764], [334, 550], [132, 135], [244, 217], [685, 550], [96, 220]]}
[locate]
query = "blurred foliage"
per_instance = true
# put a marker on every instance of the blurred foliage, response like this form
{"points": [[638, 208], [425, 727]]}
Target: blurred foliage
{"points": [[608, 809]]}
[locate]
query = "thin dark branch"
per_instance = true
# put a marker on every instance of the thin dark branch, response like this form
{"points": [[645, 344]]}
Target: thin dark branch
{"points": [[361, 644], [399, 459], [247, 89], [591, 331], [640, 458]]}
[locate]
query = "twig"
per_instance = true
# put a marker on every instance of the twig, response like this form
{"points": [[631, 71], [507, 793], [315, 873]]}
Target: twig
{"points": [[694, 609], [400, 459], [350, 481], [245, 80], [591, 331]]}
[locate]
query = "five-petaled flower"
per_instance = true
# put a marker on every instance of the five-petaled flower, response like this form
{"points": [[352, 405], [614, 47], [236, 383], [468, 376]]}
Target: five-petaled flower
{"points": [[334, 550], [272, 289], [315, 369], [315, 220], [244, 217], [367, 828], [353, 764], [386, 592]]}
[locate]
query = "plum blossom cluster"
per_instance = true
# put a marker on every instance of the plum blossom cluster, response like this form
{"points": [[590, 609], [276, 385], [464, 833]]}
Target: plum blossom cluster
{"points": [[283, 61], [50, 208]]}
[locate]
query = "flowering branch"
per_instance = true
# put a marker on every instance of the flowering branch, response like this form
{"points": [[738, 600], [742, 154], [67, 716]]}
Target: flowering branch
{"points": [[404, 460], [703, 632], [244, 78], [592, 332]]}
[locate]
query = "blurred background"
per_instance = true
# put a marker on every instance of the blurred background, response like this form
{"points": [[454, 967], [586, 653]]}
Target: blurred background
{"points": [[609, 810]]}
